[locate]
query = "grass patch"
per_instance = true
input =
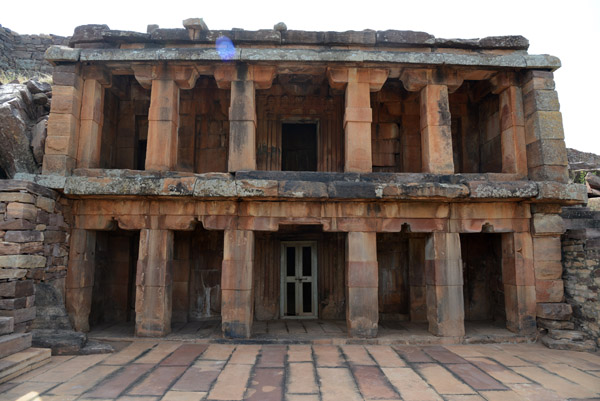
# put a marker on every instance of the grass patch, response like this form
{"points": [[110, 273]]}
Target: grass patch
{"points": [[7, 76]]}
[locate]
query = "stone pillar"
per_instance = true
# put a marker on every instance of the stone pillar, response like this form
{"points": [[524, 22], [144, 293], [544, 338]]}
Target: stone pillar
{"points": [[163, 116], [80, 278], [243, 80], [519, 282], [436, 134], [163, 123], [154, 279], [433, 86], [444, 280], [416, 279], [63, 125], [362, 284], [237, 300], [547, 226], [358, 115], [512, 123], [544, 137], [90, 131]]}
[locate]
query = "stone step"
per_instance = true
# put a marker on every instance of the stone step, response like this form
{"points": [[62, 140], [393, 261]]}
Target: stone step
{"points": [[555, 324], [577, 213], [22, 362], [11, 343], [569, 335], [588, 346], [7, 325], [554, 311]]}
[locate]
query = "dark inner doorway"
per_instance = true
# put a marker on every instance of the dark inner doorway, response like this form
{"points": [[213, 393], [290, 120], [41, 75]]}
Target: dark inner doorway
{"points": [[299, 147]]}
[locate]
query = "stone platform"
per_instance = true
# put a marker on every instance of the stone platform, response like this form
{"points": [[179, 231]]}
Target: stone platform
{"points": [[316, 332]]}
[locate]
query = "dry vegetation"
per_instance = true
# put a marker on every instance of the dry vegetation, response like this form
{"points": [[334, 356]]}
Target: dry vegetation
{"points": [[7, 76]]}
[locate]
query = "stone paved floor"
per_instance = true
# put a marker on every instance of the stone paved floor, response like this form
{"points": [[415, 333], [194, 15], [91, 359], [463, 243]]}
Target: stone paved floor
{"points": [[169, 370]]}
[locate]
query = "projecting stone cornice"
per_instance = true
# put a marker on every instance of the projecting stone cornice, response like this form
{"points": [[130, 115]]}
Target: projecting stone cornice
{"points": [[62, 54], [276, 185]]}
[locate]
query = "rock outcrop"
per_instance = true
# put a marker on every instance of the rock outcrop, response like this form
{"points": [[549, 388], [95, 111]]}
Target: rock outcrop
{"points": [[24, 112]]}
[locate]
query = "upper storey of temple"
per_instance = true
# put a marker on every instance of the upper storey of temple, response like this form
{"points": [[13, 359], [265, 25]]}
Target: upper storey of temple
{"points": [[338, 115]]}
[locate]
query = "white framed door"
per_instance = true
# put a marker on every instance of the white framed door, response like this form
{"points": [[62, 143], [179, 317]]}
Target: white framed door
{"points": [[298, 279]]}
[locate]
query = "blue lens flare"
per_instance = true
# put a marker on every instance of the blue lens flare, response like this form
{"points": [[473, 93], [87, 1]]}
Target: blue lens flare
{"points": [[225, 48]]}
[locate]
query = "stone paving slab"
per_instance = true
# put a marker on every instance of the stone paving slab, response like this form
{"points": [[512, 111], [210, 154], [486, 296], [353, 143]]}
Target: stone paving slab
{"points": [[178, 371]]}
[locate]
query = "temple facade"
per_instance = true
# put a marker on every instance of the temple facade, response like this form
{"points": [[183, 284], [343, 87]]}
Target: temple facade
{"points": [[281, 174]]}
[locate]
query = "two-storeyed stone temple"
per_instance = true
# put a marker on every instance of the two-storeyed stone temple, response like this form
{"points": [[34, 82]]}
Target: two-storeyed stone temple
{"points": [[282, 174]]}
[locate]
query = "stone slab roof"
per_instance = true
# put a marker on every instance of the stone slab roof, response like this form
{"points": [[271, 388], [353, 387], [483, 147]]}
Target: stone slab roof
{"points": [[87, 34]]}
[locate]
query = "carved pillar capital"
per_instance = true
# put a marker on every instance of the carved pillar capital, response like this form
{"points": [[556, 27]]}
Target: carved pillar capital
{"points": [[340, 76], [415, 79], [261, 75], [185, 76]]}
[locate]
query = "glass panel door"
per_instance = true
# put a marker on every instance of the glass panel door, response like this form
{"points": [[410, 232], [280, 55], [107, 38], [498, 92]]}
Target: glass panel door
{"points": [[299, 280]]}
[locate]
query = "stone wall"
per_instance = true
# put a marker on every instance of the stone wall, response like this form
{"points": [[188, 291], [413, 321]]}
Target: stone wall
{"points": [[581, 273], [26, 52], [33, 249], [33, 232]]}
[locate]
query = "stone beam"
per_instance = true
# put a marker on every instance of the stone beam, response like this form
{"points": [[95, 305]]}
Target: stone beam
{"points": [[250, 55]]}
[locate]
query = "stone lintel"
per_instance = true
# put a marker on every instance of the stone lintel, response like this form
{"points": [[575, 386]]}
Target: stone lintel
{"points": [[99, 73], [510, 61], [267, 184], [503, 80]]}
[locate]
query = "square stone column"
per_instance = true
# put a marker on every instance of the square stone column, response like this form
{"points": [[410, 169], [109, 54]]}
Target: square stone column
{"points": [[163, 125], [163, 116], [80, 278], [519, 282], [416, 279], [512, 123], [544, 136], [154, 279], [444, 280], [362, 284], [358, 115], [243, 80], [92, 117], [237, 300], [90, 131], [63, 124], [436, 134]]}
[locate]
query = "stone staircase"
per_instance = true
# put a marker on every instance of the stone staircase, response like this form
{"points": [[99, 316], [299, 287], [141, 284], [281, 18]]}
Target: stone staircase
{"points": [[16, 355], [16, 314]]}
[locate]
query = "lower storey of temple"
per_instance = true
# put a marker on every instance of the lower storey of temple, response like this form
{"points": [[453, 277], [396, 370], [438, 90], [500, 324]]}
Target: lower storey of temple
{"points": [[300, 279]]}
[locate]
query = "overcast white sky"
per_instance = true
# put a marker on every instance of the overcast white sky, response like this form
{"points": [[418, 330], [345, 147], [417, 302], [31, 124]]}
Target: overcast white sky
{"points": [[567, 29]]}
